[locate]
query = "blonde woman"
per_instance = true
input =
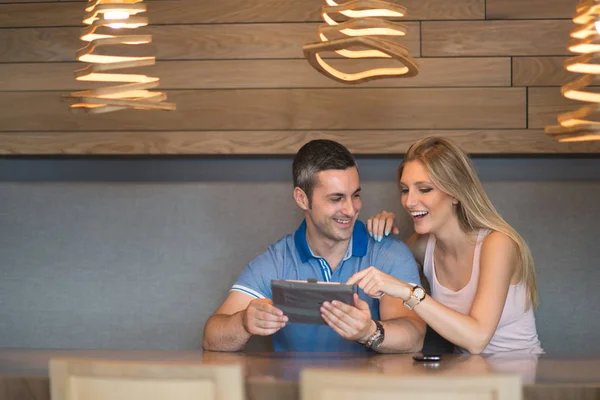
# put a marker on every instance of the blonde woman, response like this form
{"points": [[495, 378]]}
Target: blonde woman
{"points": [[481, 272]]}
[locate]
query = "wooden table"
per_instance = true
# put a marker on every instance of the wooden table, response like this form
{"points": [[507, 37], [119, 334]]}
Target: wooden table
{"points": [[274, 376]]}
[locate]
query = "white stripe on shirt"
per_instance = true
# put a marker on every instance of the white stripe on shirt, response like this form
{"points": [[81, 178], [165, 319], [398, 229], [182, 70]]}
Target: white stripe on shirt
{"points": [[247, 290]]}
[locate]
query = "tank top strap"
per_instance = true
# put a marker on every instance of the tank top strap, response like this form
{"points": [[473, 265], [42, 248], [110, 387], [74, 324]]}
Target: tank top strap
{"points": [[477, 255], [428, 261]]}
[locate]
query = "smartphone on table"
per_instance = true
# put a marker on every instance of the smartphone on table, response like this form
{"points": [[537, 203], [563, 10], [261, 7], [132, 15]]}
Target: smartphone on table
{"points": [[427, 357]]}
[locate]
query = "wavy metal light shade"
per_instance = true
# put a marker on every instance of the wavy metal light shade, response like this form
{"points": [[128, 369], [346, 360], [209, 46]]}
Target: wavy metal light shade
{"points": [[106, 22], [584, 123], [365, 29]]}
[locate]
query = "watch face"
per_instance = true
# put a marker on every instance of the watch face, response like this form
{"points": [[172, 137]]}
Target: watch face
{"points": [[377, 342], [419, 293]]}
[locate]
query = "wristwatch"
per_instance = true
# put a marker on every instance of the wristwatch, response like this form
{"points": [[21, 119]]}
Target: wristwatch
{"points": [[377, 338], [417, 294]]}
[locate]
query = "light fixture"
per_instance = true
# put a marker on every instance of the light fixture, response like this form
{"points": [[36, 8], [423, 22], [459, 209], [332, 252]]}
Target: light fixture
{"points": [[584, 123], [106, 21], [367, 30]]}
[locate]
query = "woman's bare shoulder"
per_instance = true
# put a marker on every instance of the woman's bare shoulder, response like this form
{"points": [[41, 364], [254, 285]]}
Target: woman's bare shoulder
{"points": [[500, 252], [499, 242]]}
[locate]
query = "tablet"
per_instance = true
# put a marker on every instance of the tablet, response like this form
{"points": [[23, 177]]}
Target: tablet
{"points": [[301, 301]]}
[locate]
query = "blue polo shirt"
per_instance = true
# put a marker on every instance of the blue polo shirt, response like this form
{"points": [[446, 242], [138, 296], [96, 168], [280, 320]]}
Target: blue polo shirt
{"points": [[292, 258]]}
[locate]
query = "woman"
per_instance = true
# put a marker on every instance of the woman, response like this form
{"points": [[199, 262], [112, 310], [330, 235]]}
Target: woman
{"points": [[483, 286]]}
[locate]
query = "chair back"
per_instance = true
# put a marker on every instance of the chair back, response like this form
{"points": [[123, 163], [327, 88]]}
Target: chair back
{"points": [[89, 379], [324, 384]]}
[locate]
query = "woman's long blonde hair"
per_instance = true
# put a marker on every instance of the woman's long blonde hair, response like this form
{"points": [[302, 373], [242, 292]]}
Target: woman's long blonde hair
{"points": [[450, 169]]}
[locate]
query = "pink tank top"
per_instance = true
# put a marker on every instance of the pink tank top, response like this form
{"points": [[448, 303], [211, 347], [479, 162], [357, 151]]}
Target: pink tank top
{"points": [[516, 329]]}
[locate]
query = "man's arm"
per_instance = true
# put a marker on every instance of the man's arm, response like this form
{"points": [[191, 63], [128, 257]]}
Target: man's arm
{"points": [[404, 329], [239, 317]]}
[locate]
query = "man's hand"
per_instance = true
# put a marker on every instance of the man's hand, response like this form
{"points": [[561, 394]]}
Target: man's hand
{"points": [[262, 318], [350, 322]]}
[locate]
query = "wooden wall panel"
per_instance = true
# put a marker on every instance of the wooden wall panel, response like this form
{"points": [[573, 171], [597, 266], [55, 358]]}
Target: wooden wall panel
{"points": [[25, 1], [277, 142], [231, 74], [490, 69], [226, 11], [495, 38], [530, 9], [38, 44], [545, 104], [181, 42], [283, 109], [540, 71]]}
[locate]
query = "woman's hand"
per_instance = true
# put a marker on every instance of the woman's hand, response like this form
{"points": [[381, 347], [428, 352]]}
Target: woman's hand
{"points": [[382, 224], [376, 283]]}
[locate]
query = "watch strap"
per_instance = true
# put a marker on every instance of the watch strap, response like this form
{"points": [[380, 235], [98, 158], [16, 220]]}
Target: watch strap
{"points": [[377, 338], [411, 302]]}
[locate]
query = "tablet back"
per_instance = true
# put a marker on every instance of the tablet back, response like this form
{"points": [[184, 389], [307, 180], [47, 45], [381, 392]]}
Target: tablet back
{"points": [[300, 301]]}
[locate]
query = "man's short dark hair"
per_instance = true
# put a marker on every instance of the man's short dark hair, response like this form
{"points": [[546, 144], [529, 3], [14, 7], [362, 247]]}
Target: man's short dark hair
{"points": [[316, 156]]}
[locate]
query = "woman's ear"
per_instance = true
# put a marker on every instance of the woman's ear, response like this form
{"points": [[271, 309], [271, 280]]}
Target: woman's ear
{"points": [[301, 198], [455, 200]]}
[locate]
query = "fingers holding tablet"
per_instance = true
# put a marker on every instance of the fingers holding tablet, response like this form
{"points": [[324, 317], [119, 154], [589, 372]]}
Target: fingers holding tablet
{"points": [[301, 301], [352, 322], [262, 318]]}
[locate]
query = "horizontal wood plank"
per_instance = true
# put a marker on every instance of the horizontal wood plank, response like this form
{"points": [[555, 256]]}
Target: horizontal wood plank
{"points": [[276, 142], [541, 71], [284, 109], [545, 103], [25, 1], [231, 74], [173, 12], [495, 38], [182, 42], [51, 1], [530, 9]]}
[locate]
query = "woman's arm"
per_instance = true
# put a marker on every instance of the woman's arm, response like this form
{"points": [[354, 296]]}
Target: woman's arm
{"points": [[498, 264], [473, 332]]}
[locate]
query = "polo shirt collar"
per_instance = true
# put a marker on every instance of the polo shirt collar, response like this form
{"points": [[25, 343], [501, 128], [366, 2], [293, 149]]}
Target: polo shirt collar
{"points": [[357, 248]]}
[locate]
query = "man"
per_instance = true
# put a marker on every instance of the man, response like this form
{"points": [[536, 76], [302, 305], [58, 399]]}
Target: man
{"points": [[330, 245]]}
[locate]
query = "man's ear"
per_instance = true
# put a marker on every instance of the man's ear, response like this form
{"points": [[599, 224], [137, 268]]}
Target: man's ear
{"points": [[301, 198]]}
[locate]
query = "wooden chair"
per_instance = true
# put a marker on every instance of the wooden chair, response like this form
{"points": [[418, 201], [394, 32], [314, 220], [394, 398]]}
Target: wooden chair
{"points": [[323, 384], [88, 379]]}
